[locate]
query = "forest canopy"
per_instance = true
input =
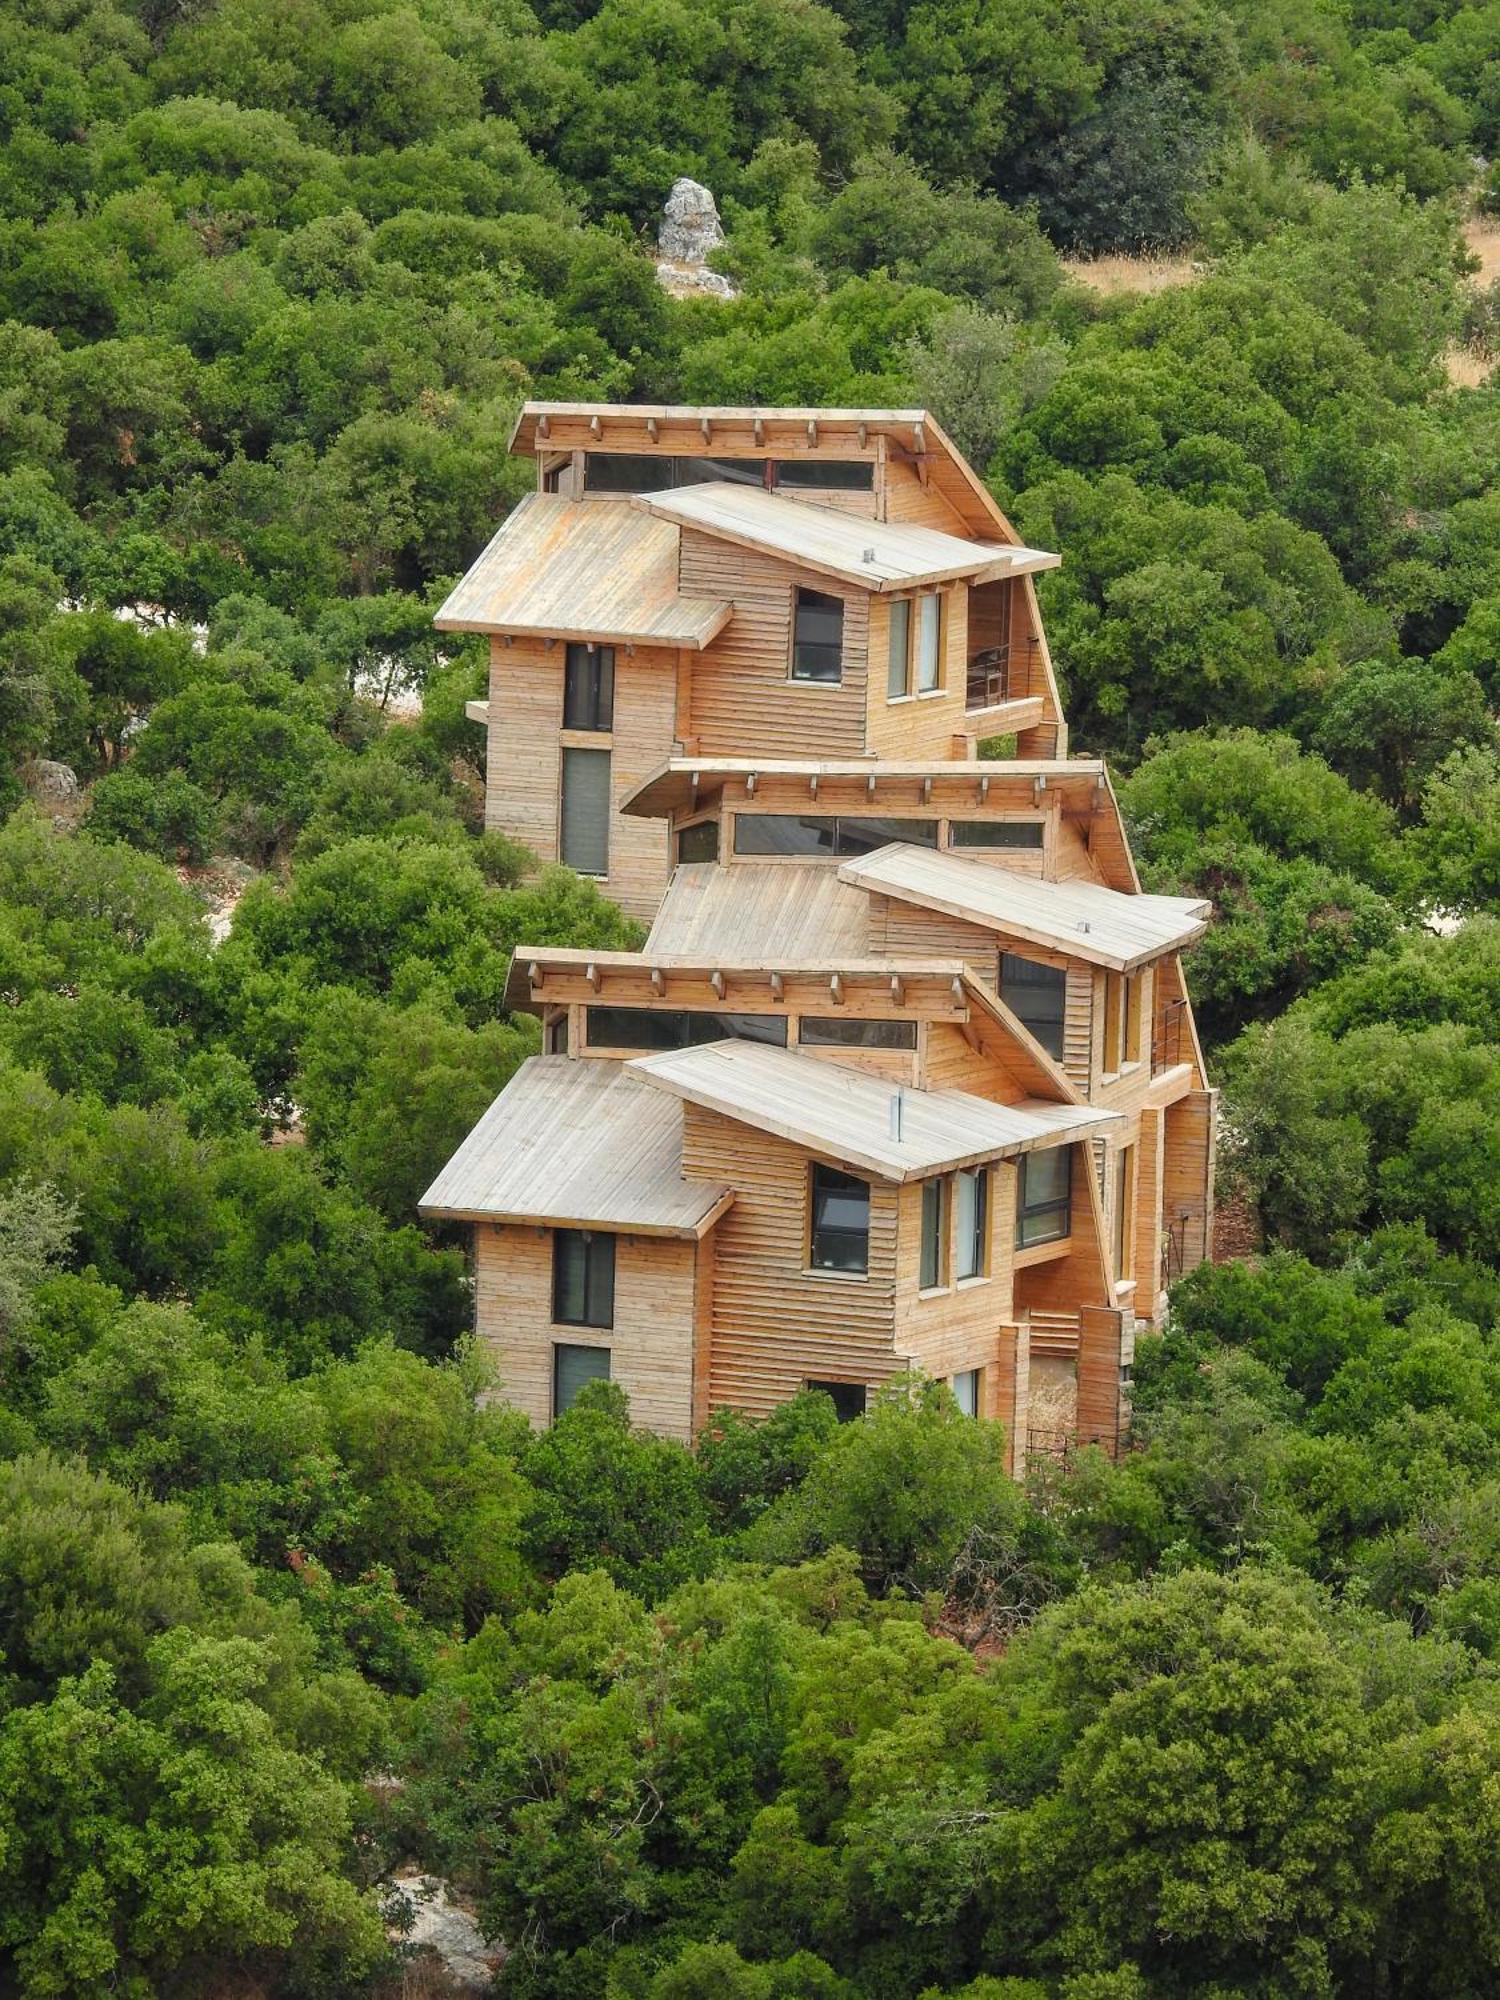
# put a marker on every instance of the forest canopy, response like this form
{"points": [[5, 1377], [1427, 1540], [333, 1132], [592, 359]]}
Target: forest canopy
{"points": [[289, 1596]]}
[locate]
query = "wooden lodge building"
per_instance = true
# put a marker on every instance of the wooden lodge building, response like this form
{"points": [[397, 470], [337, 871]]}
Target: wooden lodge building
{"points": [[905, 1074]]}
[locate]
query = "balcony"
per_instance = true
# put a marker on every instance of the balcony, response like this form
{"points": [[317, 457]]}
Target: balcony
{"points": [[1003, 689]]}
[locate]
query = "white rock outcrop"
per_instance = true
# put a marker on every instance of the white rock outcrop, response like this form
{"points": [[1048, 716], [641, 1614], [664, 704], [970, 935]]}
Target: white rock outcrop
{"points": [[690, 230]]}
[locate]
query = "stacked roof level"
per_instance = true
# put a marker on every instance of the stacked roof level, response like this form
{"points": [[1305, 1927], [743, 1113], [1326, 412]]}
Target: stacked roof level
{"points": [[904, 1073]]}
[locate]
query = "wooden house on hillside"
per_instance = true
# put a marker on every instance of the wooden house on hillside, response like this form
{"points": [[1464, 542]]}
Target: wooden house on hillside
{"points": [[905, 1074]]}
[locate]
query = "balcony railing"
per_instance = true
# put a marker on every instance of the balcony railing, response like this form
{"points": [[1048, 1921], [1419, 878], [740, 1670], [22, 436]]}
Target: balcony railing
{"points": [[1167, 1036], [1002, 673]]}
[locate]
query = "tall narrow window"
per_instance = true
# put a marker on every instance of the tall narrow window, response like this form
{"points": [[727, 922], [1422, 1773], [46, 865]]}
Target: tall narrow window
{"points": [[840, 1234], [1037, 995], [583, 833], [583, 1277], [929, 643], [973, 1197], [572, 1367], [818, 637], [1114, 1022], [1133, 986], [966, 1392], [897, 683], [1044, 1197], [1124, 1203], [934, 1258], [589, 688]]}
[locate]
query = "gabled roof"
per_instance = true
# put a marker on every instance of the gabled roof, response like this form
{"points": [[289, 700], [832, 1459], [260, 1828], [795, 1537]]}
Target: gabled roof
{"points": [[914, 436], [847, 1114], [577, 1144], [872, 555], [585, 570], [673, 786], [1083, 919], [785, 909]]}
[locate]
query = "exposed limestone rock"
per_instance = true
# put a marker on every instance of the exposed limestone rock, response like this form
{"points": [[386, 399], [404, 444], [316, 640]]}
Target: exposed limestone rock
{"points": [[420, 1910], [49, 783], [690, 230]]}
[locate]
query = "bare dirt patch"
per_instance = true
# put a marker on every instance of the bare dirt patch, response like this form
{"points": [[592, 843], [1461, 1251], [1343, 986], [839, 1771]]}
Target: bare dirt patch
{"points": [[1114, 276]]}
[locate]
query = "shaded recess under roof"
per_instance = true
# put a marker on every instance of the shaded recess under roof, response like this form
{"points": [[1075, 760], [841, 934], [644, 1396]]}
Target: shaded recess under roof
{"points": [[675, 785]]}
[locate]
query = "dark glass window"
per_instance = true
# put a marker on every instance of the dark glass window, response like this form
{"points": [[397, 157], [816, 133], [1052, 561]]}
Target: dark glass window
{"points": [[738, 471], [966, 1392], [934, 1233], [583, 830], [589, 688], [973, 1194], [818, 637], [678, 1028], [626, 472], [1044, 1197], [832, 1032], [848, 1398], [826, 833], [557, 1033], [583, 1277], [698, 842], [572, 1367], [830, 475], [997, 833], [840, 1238], [1037, 995]]}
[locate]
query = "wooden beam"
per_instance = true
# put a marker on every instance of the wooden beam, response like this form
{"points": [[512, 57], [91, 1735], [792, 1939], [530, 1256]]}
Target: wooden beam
{"points": [[864, 436], [812, 432], [812, 785], [658, 981], [652, 429], [544, 426], [836, 990], [596, 429], [778, 986], [707, 429], [898, 990], [535, 977], [716, 981], [591, 974], [758, 429], [984, 789]]}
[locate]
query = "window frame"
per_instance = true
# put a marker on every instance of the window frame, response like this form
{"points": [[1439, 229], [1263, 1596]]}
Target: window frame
{"points": [[825, 600], [974, 1376], [592, 1241], [709, 825], [600, 690], [910, 652], [1040, 975], [959, 828], [932, 1247], [1060, 1205], [885, 1036], [561, 1347], [715, 1024], [892, 830], [571, 752], [976, 1240], [819, 1170]]}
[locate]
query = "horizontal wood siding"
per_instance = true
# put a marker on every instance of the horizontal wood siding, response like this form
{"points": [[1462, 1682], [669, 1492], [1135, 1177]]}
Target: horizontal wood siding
{"points": [[651, 1343], [945, 1332], [1188, 1173], [774, 1326], [919, 726], [743, 701]]}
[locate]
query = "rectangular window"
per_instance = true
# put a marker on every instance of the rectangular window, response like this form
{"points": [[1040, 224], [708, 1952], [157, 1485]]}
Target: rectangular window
{"points": [[840, 1234], [698, 842], [589, 688], [966, 1392], [626, 472], [583, 1277], [1012, 833], [821, 835], [1114, 1023], [557, 1033], [848, 1398], [831, 1031], [973, 1198], [1044, 1197], [1124, 1202], [829, 475], [571, 1368], [897, 682], [583, 833], [818, 637], [678, 1028], [738, 471], [934, 1260], [929, 643], [1037, 995], [1133, 986]]}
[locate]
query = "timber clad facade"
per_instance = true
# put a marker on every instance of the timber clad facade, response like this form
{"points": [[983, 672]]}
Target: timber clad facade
{"points": [[905, 1074]]}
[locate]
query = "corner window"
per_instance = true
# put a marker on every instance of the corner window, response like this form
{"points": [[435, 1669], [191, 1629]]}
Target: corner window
{"points": [[818, 638], [1044, 1197], [934, 1259], [572, 1367], [583, 1277], [698, 842], [589, 688], [972, 1193], [678, 1028], [583, 822], [826, 833], [1037, 995], [966, 1392], [1009, 833], [840, 1234]]}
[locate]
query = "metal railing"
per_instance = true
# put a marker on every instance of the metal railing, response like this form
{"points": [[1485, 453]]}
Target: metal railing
{"points": [[1000, 674]]}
